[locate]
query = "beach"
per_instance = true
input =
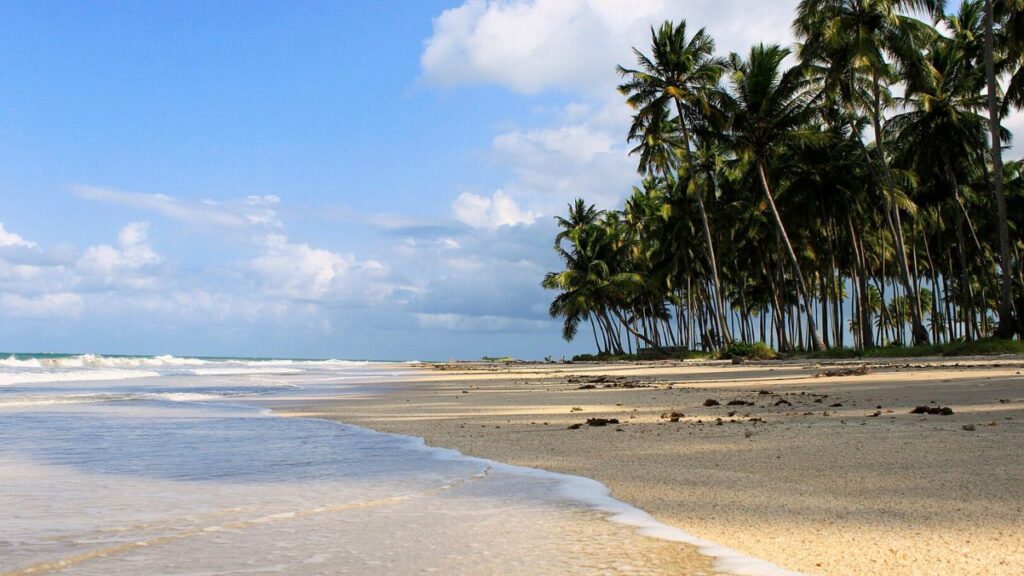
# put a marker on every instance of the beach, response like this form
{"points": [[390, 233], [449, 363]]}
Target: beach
{"points": [[816, 467]]}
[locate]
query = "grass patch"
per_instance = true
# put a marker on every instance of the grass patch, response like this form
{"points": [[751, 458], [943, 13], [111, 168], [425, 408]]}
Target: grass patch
{"points": [[986, 347]]}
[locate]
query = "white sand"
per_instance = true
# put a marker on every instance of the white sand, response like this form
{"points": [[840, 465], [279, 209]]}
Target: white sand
{"points": [[845, 493]]}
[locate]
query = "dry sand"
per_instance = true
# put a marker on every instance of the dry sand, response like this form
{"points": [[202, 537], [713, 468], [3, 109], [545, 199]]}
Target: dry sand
{"points": [[864, 487]]}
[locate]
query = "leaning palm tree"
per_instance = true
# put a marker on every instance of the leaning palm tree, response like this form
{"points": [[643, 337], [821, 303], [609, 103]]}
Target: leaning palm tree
{"points": [[679, 75], [770, 108], [867, 38]]}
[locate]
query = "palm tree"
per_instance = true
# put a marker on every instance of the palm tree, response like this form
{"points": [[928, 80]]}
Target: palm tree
{"points": [[681, 73], [770, 108], [865, 38], [942, 134], [1015, 13]]}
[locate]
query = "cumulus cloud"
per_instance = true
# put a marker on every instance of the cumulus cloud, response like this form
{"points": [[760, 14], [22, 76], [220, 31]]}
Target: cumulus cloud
{"points": [[297, 271], [8, 239], [555, 165], [483, 212], [132, 253], [574, 45]]}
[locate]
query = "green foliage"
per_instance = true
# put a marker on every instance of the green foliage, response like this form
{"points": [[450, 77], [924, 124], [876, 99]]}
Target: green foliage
{"points": [[986, 347], [851, 189], [754, 351]]}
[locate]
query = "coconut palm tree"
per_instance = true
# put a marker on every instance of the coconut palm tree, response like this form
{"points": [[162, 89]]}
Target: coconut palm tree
{"points": [[680, 75], [1013, 14], [872, 39], [769, 108], [942, 133]]}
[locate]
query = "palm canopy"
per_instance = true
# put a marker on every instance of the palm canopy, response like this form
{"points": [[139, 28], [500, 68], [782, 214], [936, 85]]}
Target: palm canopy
{"points": [[677, 76], [767, 164], [942, 128], [767, 105]]}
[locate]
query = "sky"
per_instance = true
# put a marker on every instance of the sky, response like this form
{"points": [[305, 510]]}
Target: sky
{"points": [[321, 179]]}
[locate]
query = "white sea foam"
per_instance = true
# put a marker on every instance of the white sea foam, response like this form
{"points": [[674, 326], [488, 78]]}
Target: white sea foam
{"points": [[49, 400], [64, 399], [9, 378], [179, 396], [239, 371], [596, 495], [13, 362]]}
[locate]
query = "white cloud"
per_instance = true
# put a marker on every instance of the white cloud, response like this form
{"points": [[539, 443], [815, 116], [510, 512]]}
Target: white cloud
{"points": [[132, 253], [576, 143], [297, 271], [467, 323], [251, 211], [574, 45], [483, 212], [60, 305], [8, 239]]}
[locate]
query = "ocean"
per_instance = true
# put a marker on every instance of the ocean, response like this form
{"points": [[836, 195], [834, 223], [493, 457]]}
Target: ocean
{"points": [[119, 465]]}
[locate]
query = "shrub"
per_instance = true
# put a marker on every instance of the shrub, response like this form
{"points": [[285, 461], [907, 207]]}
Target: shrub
{"points": [[755, 351]]}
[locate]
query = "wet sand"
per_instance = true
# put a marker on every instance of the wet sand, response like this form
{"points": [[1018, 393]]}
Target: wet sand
{"points": [[825, 474]]}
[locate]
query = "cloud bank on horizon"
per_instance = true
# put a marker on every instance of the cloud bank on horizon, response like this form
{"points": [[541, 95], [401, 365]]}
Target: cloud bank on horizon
{"points": [[445, 260]]}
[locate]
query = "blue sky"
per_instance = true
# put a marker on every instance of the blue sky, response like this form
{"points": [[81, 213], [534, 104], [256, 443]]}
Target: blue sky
{"points": [[356, 180]]}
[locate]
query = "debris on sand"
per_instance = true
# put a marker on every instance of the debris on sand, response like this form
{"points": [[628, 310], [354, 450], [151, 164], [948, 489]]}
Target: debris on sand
{"points": [[936, 410], [852, 371], [591, 382], [601, 421], [712, 402], [739, 403], [672, 416], [575, 426]]}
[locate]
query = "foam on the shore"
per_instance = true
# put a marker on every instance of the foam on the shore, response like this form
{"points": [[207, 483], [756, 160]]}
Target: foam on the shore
{"points": [[10, 378], [596, 495]]}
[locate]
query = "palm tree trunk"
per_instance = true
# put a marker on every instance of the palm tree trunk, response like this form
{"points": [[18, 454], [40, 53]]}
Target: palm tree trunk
{"points": [[966, 296], [866, 334], [893, 219], [594, 328], [630, 329], [812, 327], [1007, 319], [936, 334], [709, 245]]}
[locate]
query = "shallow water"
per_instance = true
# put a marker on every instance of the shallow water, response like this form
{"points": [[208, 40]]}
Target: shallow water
{"points": [[172, 472]]}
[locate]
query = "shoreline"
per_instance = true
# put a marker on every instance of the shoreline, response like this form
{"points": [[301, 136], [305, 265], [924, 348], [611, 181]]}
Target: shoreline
{"points": [[789, 479]]}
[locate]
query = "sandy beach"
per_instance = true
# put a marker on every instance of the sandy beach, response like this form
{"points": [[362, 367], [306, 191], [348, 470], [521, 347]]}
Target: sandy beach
{"points": [[816, 467]]}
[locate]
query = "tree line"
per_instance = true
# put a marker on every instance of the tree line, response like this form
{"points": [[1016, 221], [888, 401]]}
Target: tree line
{"points": [[849, 191]]}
